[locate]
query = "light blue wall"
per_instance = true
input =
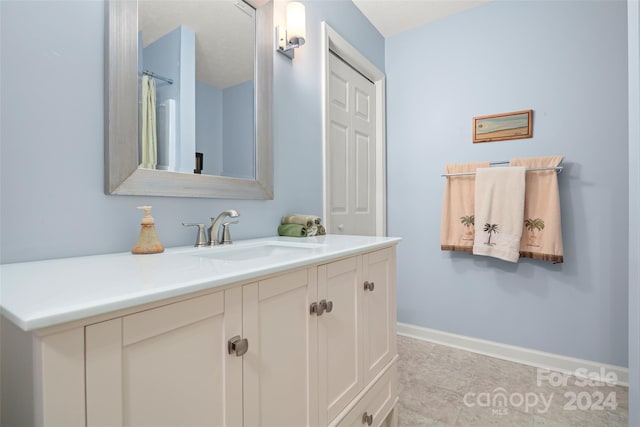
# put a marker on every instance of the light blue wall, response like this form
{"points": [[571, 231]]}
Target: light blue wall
{"points": [[187, 107], [568, 62], [52, 202], [209, 127], [634, 212], [163, 57], [238, 134], [224, 133]]}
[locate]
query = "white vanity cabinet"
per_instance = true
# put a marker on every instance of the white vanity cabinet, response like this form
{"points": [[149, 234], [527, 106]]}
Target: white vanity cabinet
{"points": [[321, 351], [173, 366], [321, 345], [357, 338], [167, 366]]}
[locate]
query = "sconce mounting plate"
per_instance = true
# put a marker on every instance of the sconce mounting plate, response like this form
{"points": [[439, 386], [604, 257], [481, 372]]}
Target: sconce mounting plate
{"points": [[284, 47]]}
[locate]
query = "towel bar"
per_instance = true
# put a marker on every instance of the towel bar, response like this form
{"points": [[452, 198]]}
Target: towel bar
{"points": [[157, 76], [556, 168]]}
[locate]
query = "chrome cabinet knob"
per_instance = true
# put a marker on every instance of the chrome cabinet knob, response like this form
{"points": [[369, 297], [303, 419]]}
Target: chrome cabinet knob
{"points": [[322, 307], [325, 306], [237, 345], [367, 419], [319, 308], [368, 286]]}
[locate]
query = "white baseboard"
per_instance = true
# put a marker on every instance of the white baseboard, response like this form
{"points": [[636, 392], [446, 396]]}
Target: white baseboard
{"points": [[568, 365]]}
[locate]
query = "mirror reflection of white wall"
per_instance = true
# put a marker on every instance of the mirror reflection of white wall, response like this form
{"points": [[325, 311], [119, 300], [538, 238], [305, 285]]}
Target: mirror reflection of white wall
{"points": [[207, 49]]}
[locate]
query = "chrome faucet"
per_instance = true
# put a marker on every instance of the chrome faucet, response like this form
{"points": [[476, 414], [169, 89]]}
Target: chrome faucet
{"points": [[214, 229]]}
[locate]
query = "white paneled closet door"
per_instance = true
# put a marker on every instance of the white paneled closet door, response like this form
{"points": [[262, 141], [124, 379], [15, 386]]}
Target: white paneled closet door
{"points": [[351, 151]]}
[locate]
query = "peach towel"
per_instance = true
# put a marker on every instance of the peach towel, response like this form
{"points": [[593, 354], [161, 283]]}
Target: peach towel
{"points": [[499, 211], [541, 229], [458, 208]]}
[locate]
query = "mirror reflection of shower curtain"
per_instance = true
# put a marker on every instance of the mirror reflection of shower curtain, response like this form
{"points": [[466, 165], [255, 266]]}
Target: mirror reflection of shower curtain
{"points": [[149, 142]]}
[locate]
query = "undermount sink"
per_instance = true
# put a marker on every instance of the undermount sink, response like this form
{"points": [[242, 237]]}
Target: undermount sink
{"points": [[257, 250]]}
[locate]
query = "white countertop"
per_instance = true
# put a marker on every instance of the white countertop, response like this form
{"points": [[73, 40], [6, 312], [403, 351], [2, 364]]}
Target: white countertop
{"points": [[39, 294]]}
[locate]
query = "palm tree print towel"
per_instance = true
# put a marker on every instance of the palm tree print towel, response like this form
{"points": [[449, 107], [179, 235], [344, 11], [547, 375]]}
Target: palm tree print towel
{"points": [[499, 197], [457, 224], [541, 227]]}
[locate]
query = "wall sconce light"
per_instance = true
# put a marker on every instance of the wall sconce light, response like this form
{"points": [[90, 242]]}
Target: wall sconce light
{"points": [[294, 35]]}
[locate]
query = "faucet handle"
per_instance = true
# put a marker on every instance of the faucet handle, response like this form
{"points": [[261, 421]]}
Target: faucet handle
{"points": [[201, 239], [226, 235]]}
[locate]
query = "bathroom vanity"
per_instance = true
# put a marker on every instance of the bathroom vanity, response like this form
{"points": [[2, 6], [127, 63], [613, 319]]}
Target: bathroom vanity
{"points": [[266, 332]]}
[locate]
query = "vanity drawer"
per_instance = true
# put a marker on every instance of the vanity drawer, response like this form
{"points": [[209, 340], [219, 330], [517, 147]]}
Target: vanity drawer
{"points": [[376, 404]]}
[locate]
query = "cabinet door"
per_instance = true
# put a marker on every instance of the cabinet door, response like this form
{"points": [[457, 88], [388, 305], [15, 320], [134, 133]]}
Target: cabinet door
{"points": [[379, 311], [280, 366], [339, 336], [167, 366]]}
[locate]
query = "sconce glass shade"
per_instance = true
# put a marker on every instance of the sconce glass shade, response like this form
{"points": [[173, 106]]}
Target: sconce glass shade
{"points": [[292, 37], [296, 27]]}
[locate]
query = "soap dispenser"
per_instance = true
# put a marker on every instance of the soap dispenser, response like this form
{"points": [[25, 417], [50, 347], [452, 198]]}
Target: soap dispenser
{"points": [[148, 242]]}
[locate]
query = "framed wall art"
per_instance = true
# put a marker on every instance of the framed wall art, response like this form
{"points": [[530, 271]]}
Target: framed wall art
{"points": [[499, 127]]}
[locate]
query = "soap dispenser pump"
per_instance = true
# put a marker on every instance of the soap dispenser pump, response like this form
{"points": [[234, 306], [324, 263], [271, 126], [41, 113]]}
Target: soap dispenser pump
{"points": [[148, 242]]}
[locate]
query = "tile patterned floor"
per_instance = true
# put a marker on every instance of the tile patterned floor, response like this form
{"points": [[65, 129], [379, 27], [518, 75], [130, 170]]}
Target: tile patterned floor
{"points": [[442, 386]]}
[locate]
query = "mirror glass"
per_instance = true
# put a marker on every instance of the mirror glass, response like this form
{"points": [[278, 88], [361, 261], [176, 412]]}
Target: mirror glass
{"points": [[189, 98], [196, 68]]}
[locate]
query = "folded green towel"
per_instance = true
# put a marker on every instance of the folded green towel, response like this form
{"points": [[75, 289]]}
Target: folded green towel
{"points": [[292, 230], [307, 220]]}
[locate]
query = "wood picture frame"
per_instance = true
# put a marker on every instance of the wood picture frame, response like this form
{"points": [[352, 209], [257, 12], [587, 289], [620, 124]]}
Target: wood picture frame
{"points": [[500, 127]]}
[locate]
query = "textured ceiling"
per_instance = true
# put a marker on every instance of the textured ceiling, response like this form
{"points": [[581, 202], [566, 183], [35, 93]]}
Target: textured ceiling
{"points": [[391, 17], [224, 29]]}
